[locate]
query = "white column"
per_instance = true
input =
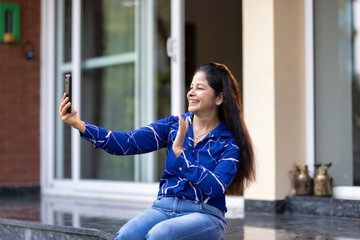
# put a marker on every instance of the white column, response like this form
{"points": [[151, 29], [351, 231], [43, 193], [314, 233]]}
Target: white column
{"points": [[76, 85], [274, 92], [47, 72], [148, 85], [59, 76], [259, 92], [310, 99], [178, 57]]}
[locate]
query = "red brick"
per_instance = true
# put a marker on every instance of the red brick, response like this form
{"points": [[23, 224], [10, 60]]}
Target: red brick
{"points": [[20, 92]]}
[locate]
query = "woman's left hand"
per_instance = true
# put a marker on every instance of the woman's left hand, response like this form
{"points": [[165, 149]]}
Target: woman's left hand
{"points": [[180, 136]]}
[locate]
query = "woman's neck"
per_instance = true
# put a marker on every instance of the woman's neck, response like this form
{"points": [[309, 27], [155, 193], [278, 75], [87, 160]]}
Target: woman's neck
{"points": [[204, 123]]}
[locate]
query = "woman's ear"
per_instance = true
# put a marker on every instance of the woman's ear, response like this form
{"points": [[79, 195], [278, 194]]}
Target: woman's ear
{"points": [[219, 99]]}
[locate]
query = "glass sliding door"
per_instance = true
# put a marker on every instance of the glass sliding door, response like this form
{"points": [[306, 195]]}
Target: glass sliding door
{"points": [[337, 94]]}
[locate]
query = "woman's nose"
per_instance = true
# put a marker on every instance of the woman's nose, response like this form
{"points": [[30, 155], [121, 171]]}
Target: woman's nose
{"points": [[190, 92]]}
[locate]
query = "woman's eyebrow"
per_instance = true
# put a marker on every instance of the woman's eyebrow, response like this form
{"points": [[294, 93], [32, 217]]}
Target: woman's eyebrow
{"points": [[200, 84]]}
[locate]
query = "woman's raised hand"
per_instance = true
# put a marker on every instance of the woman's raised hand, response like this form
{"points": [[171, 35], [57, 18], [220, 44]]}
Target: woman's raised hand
{"points": [[180, 136], [70, 118]]}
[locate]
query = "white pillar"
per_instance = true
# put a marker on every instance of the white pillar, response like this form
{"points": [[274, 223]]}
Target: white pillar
{"points": [[76, 85], [177, 45]]}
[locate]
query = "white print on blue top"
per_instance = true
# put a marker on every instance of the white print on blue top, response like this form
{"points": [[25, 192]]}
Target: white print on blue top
{"points": [[201, 173]]}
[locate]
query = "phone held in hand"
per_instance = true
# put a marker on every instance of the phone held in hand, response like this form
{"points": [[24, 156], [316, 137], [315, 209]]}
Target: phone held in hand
{"points": [[68, 89]]}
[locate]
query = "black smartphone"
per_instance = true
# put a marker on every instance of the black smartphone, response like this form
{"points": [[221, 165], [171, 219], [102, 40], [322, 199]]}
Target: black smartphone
{"points": [[68, 89]]}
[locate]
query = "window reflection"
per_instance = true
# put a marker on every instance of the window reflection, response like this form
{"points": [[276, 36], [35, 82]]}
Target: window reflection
{"points": [[109, 27], [356, 92], [108, 101], [63, 218]]}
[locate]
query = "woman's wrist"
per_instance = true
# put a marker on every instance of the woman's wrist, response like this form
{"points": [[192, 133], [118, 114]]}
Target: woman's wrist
{"points": [[79, 125], [178, 152]]}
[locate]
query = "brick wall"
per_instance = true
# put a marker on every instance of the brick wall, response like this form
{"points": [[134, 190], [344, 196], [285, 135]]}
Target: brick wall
{"points": [[20, 103]]}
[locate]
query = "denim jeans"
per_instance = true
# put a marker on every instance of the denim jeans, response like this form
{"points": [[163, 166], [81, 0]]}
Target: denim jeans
{"points": [[175, 218]]}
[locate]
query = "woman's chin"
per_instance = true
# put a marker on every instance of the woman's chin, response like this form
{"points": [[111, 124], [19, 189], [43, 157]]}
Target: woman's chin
{"points": [[191, 109]]}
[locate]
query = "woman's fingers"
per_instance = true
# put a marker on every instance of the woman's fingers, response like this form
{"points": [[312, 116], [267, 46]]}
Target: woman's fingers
{"points": [[180, 136], [64, 109], [63, 102], [70, 118], [183, 126], [73, 113], [181, 121]]}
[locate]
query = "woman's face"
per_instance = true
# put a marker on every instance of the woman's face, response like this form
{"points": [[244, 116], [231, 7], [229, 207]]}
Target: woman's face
{"points": [[201, 96]]}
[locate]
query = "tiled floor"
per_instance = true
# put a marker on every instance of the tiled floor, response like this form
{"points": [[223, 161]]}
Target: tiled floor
{"points": [[108, 216]]}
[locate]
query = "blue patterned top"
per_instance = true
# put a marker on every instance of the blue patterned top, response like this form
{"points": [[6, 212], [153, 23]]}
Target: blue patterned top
{"points": [[201, 173]]}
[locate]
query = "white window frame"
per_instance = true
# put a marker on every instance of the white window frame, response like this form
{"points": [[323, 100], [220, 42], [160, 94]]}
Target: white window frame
{"points": [[341, 192]]}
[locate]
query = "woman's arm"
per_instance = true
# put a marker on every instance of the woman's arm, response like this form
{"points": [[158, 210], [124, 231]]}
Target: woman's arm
{"points": [[70, 118], [142, 140]]}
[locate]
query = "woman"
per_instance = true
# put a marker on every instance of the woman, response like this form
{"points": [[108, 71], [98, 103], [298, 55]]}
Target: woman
{"points": [[209, 152]]}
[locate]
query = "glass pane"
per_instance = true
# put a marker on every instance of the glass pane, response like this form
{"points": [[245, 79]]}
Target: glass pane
{"points": [[356, 92], [333, 83], [62, 166], [107, 222], [67, 30], [108, 101], [109, 27], [63, 219], [162, 32]]}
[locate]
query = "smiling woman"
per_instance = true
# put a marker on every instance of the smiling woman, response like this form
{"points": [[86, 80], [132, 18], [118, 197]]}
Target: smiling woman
{"points": [[203, 103], [209, 152]]}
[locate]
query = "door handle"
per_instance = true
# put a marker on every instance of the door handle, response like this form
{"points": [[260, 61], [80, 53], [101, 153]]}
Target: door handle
{"points": [[171, 47]]}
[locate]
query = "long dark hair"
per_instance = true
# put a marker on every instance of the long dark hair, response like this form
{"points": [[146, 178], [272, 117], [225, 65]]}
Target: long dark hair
{"points": [[221, 80]]}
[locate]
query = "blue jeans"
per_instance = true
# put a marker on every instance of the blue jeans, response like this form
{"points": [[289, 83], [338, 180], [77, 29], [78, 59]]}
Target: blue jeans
{"points": [[174, 218]]}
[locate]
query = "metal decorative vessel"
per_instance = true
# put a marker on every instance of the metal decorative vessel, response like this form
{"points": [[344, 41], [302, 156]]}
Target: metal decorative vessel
{"points": [[304, 183], [323, 183]]}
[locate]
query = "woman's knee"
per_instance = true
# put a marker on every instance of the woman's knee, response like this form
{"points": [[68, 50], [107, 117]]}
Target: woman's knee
{"points": [[159, 232], [130, 231], [124, 235]]}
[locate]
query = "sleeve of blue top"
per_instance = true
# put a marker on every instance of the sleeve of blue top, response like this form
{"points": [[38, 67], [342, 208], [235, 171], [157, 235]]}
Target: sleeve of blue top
{"points": [[142, 140], [213, 183]]}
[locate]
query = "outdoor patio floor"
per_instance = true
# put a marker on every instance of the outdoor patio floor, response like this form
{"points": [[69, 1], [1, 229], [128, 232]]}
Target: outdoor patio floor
{"points": [[103, 218]]}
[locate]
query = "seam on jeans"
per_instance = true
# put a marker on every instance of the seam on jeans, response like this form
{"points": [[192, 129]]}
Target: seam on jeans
{"points": [[214, 212], [218, 219], [161, 210], [204, 230]]}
